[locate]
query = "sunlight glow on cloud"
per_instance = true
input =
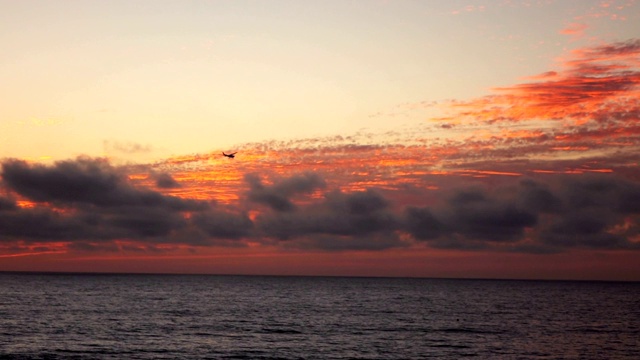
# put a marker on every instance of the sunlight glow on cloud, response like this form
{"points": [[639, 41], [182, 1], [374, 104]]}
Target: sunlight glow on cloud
{"points": [[594, 81]]}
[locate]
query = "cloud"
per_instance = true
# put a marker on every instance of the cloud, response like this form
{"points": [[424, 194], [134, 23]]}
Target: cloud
{"points": [[423, 224], [539, 214], [519, 215], [590, 211], [586, 112], [45, 225], [166, 181], [7, 204], [468, 9], [84, 181], [611, 10], [537, 197], [223, 225], [544, 166], [594, 80], [144, 222], [477, 215], [125, 147], [87, 202], [277, 196], [471, 218], [585, 228], [337, 217], [575, 30]]}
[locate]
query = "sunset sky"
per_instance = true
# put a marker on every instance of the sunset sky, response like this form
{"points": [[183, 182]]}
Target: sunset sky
{"points": [[476, 139]]}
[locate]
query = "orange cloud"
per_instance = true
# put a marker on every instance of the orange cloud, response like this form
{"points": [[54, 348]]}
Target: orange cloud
{"points": [[599, 79], [591, 105]]}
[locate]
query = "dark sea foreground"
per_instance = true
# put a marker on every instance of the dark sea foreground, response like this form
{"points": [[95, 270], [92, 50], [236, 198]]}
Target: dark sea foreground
{"points": [[81, 316]]}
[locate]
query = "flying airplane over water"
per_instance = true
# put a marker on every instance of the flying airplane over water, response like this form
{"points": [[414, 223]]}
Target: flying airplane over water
{"points": [[230, 156]]}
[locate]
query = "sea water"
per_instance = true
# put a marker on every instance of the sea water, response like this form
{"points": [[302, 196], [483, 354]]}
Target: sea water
{"points": [[100, 316]]}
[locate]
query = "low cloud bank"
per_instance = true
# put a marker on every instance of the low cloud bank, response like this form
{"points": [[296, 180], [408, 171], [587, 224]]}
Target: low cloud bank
{"points": [[88, 204]]}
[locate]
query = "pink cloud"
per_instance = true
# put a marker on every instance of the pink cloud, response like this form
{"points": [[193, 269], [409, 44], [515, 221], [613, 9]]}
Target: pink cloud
{"points": [[575, 30]]}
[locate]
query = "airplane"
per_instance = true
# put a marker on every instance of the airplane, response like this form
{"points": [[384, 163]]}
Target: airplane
{"points": [[230, 156]]}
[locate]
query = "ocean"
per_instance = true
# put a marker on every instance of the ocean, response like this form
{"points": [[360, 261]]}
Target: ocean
{"points": [[115, 316]]}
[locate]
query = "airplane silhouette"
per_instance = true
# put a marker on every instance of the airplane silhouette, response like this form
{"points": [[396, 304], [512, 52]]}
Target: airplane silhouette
{"points": [[230, 156]]}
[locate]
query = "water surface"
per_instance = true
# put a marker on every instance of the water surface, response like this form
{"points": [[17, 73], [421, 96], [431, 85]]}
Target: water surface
{"points": [[88, 316]]}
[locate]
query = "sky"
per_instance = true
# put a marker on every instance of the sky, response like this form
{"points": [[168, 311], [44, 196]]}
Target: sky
{"points": [[465, 139]]}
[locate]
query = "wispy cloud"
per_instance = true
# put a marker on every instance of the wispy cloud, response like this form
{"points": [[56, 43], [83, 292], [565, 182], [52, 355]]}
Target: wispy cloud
{"points": [[125, 147], [612, 10], [575, 30]]}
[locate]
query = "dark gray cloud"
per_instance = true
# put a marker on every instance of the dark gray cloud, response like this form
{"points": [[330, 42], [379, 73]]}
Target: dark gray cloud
{"points": [[343, 220], [475, 214], [422, 224], [89, 203], [470, 219], [584, 229], [221, 224], [598, 212], [537, 197], [278, 196], [592, 211], [7, 204], [603, 192], [84, 181], [41, 224], [144, 222], [165, 181]]}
